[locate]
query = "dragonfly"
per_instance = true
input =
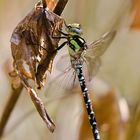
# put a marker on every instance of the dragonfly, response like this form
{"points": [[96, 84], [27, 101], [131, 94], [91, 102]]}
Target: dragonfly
{"points": [[81, 53]]}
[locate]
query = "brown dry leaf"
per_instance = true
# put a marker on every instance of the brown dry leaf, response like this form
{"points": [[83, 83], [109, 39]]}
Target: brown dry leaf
{"points": [[33, 49], [29, 38], [136, 19]]}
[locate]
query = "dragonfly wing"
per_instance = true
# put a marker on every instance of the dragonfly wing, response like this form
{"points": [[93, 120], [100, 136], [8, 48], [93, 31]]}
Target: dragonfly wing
{"points": [[63, 63], [92, 67], [66, 77], [98, 47], [95, 50], [63, 82]]}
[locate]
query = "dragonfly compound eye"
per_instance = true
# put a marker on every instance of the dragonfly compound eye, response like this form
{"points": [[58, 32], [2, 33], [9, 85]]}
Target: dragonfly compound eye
{"points": [[76, 30]]}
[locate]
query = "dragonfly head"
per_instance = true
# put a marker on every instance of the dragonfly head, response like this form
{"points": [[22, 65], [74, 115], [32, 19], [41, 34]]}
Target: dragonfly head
{"points": [[74, 29]]}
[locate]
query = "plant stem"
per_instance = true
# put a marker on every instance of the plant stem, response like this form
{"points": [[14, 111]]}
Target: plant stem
{"points": [[9, 108], [44, 3], [60, 7], [133, 128]]}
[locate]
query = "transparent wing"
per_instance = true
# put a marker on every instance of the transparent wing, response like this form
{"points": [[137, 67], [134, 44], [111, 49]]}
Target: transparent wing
{"points": [[61, 84], [64, 77], [95, 50], [63, 63], [67, 79], [98, 47], [92, 67]]}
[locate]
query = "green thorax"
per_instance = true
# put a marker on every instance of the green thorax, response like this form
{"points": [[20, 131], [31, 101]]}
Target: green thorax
{"points": [[75, 47]]}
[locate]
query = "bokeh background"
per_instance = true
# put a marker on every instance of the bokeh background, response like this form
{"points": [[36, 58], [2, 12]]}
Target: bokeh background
{"points": [[115, 89]]}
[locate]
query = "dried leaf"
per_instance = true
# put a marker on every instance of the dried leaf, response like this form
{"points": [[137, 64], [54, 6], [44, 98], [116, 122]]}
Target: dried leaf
{"points": [[29, 38], [33, 49], [41, 109], [16, 82]]}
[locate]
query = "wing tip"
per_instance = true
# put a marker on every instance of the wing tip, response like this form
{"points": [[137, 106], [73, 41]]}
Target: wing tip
{"points": [[111, 34]]}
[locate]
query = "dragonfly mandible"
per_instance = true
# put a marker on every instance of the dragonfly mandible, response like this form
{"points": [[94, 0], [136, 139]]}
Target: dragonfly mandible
{"points": [[79, 53]]}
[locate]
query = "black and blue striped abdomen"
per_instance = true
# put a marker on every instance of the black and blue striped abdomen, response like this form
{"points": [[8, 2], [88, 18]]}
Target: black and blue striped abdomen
{"points": [[87, 101]]}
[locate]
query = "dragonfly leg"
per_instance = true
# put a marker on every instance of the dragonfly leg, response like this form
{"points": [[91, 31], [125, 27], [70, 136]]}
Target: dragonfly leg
{"points": [[62, 45], [63, 33], [60, 37]]}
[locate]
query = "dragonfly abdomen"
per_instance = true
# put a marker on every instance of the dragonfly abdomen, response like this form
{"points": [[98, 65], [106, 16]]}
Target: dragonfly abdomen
{"points": [[87, 101]]}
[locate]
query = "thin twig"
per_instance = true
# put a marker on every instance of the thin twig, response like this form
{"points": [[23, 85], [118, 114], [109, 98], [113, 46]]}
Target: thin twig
{"points": [[60, 7], [9, 108], [44, 4], [15, 94]]}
